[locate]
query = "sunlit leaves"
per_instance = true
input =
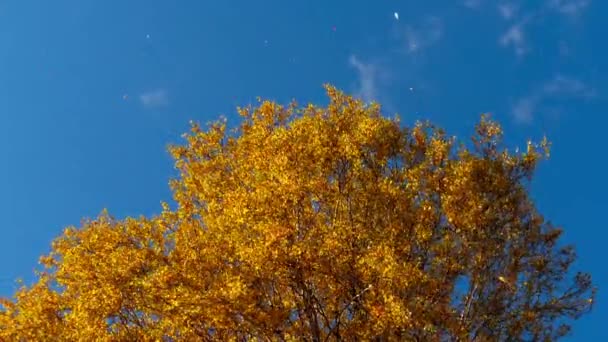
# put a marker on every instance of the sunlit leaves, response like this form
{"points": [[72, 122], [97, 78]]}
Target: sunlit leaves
{"points": [[310, 223]]}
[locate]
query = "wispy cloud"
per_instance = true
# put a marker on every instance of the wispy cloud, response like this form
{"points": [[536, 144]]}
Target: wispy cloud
{"points": [[507, 10], [569, 7], [382, 75], [418, 38], [154, 98], [519, 20], [515, 38], [561, 87], [367, 78], [524, 109]]}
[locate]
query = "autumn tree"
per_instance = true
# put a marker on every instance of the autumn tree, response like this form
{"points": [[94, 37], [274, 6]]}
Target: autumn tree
{"points": [[318, 224]]}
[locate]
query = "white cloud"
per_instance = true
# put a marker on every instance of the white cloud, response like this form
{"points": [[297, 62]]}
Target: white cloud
{"points": [[515, 37], [421, 37], [507, 10], [154, 98], [367, 78], [569, 7], [559, 87], [524, 109], [379, 77]]}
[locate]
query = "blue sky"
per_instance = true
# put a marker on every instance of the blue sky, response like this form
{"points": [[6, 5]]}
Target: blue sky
{"points": [[91, 92]]}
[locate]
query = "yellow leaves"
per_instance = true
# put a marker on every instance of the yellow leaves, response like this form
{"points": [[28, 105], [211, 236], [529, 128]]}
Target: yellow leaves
{"points": [[300, 220], [488, 130], [378, 311], [439, 150], [419, 135], [47, 261], [545, 145], [377, 261], [233, 288], [398, 314]]}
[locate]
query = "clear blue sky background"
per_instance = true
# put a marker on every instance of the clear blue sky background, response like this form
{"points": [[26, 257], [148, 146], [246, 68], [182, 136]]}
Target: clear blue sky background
{"points": [[91, 92]]}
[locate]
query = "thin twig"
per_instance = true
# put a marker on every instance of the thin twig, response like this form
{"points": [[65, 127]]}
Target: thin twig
{"points": [[352, 301]]}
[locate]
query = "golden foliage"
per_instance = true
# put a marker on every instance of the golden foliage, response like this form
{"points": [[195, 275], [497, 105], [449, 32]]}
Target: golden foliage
{"points": [[317, 224]]}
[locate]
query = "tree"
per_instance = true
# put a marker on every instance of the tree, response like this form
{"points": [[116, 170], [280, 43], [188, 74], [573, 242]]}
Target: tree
{"points": [[318, 223]]}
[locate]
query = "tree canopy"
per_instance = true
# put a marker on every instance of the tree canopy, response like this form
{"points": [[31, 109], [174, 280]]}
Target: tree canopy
{"points": [[320, 224]]}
